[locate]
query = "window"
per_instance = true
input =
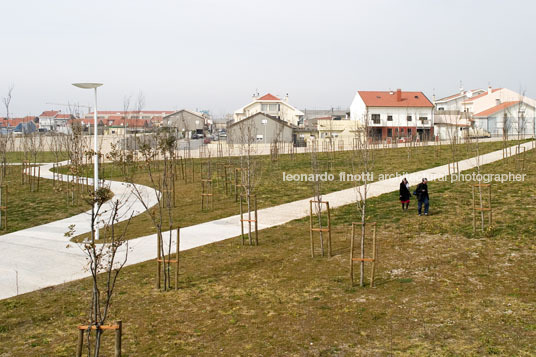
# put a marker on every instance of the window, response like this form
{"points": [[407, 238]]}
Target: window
{"points": [[389, 118], [389, 133], [409, 131], [409, 118], [268, 107], [375, 118], [424, 120]]}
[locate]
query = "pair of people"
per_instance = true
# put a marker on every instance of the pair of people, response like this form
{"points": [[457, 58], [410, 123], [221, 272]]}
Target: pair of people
{"points": [[421, 192]]}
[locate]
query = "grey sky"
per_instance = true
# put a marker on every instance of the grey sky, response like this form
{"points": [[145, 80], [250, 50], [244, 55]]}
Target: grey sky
{"points": [[214, 54]]}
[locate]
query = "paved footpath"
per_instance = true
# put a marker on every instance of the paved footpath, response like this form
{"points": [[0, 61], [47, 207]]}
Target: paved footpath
{"points": [[41, 256]]}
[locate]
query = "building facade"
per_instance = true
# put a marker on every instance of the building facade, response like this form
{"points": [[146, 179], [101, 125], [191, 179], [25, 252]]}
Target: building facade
{"points": [[391, 115], [260, 128], [186, 122], [271, 105]]}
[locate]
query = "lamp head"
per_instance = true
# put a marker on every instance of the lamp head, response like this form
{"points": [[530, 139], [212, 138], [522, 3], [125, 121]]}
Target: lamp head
{"points": [[87, 85]]}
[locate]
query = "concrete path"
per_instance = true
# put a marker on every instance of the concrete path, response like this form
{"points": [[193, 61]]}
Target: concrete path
{"points": [[38, 257]]}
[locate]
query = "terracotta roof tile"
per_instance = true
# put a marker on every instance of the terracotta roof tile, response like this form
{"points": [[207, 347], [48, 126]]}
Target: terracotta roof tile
{"points": [[496, 109], [49, 113], [268, 97], [389, 99]]}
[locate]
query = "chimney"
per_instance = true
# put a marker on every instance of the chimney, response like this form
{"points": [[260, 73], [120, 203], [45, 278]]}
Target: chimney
{"points": [[398, 95], [286, 98], [489, 89]]}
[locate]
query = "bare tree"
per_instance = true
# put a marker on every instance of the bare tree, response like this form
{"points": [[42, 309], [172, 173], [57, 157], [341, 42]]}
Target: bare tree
{"points": [[161, 182], [126, 106], [140, 104], [249, 170], [7, 99], [105, 258], [362, 164]]}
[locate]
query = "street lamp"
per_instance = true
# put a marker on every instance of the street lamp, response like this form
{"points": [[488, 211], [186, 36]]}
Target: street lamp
{"points": [[95, 146]]}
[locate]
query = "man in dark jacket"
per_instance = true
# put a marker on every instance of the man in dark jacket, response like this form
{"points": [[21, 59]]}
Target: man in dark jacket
{"points": [[422, 196]]}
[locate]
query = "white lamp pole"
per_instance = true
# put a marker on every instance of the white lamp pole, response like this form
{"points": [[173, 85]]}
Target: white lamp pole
{"points": [[94, 86]]}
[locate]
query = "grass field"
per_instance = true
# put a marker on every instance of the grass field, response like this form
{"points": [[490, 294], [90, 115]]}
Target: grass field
{"points": [[440, 289], [42, 156], [270, 190], [27, 209]]}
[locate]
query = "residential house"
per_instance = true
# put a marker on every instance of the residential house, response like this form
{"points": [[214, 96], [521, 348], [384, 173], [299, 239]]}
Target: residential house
{"points": [[27, 124], [186, 122], [502, 111], [394, 114], [47, 120], [271, 105], [450, 118], [260, 128], [454, 101], [341, 129]]}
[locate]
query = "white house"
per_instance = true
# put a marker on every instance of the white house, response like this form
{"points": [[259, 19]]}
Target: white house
{"points": [[502, 108], [271, 105], [47, 120], [507, 118], [454, 102], [394, 114], [450, 121]]}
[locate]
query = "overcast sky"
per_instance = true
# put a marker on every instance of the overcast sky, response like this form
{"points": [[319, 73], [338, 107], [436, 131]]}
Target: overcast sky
{"points": [[215, 54]]}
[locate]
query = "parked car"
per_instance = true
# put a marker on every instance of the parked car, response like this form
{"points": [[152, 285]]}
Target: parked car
{"points": [[194, 136]]}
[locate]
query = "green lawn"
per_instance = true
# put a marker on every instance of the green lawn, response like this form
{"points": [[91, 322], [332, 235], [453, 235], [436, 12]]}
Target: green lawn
{"points": [[441, 289], [27, 208], [41, 156], [270, 188]]}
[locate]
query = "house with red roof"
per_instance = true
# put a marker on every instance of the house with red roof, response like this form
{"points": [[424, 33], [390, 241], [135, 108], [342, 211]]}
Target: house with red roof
{"points": [[271, 105], [454, 101], [491, 112], [501, 111], [514, 117], [394, 115], [54, 120]]}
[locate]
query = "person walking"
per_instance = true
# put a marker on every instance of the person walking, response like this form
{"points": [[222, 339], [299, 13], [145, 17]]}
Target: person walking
{"points": [[404, 194], [422, 196]]}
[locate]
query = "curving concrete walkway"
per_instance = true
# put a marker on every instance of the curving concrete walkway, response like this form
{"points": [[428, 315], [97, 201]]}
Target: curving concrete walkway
{"points": [[40, 256]]}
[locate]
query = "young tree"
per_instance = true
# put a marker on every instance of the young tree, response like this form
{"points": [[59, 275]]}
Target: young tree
{"points": [[140, 104], [105, 260], [7, 99], [162, 184], [362, 164], [249, 168]]}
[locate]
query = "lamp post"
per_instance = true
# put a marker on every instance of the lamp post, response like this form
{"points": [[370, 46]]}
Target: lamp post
{"points": [[93, 86]]}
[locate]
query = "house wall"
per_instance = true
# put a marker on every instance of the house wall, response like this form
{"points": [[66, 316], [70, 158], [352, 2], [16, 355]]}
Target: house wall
{"points": [[184, 121], [253, 127], [494, 124], [285, 111], [456, 104], [490, 100], [399, 114], [447, 132]]}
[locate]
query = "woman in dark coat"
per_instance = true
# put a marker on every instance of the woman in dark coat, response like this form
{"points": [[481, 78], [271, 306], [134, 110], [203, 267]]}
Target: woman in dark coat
{"points": [[404, 194]]}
